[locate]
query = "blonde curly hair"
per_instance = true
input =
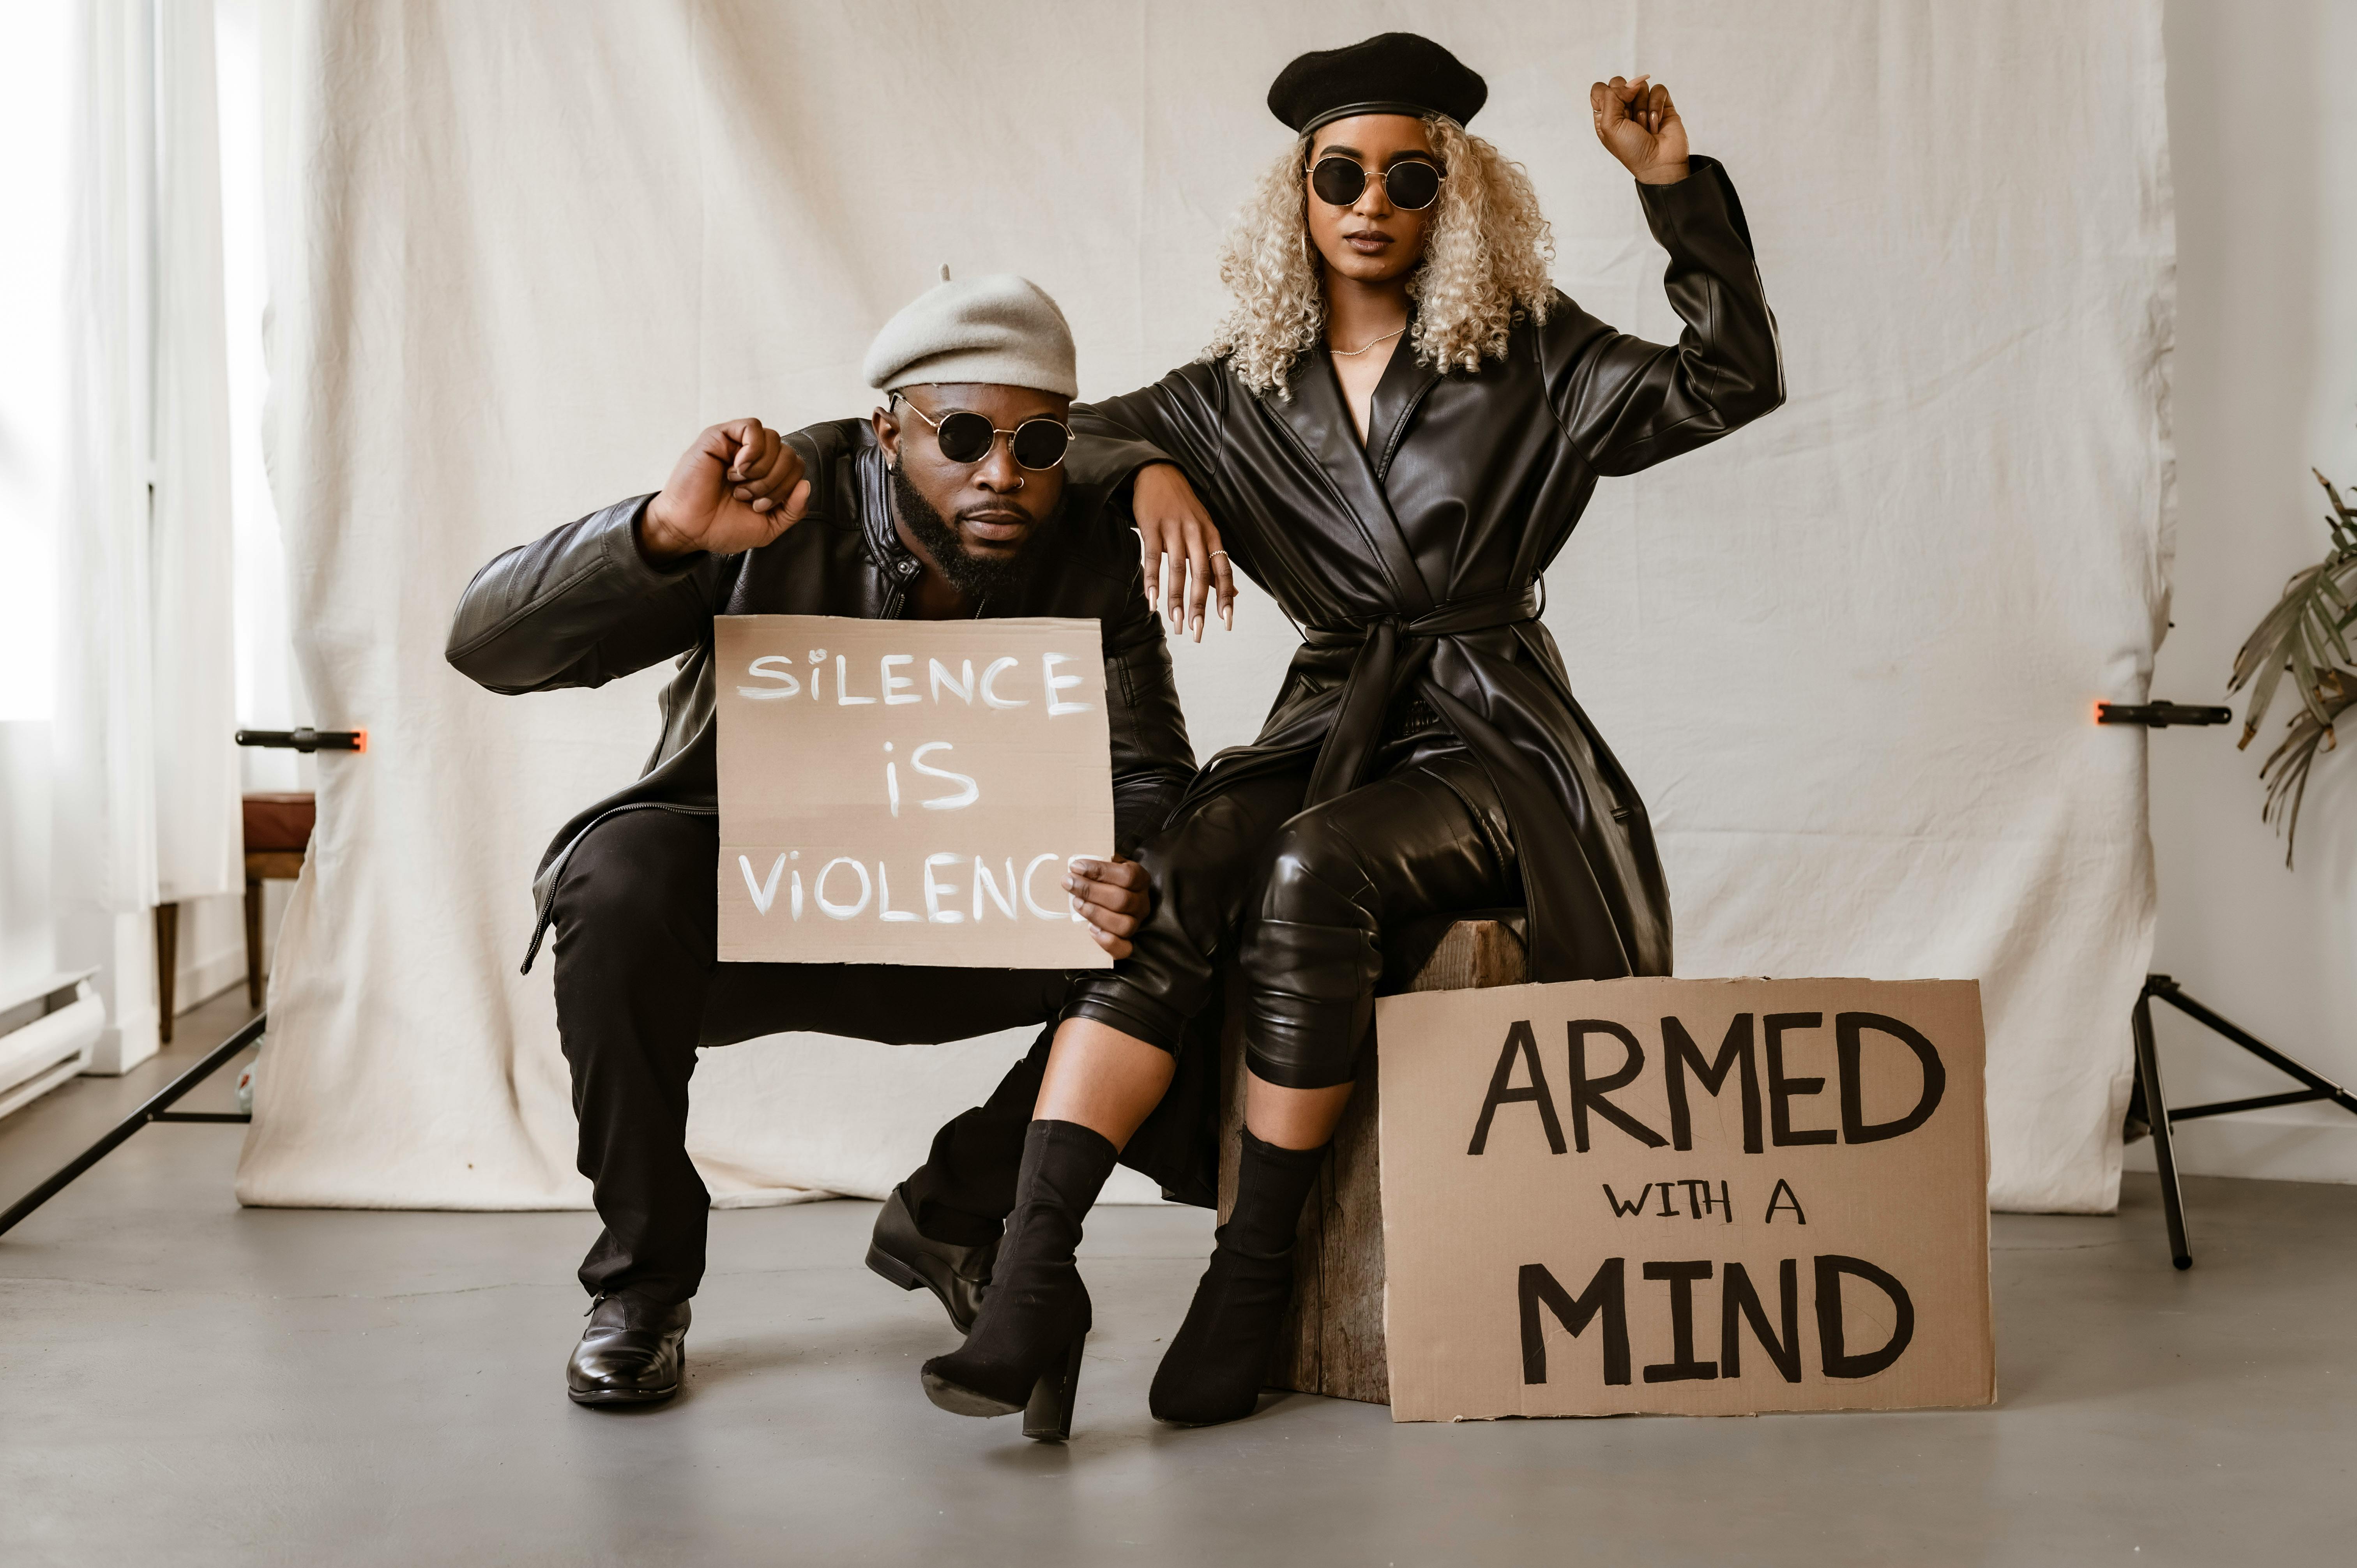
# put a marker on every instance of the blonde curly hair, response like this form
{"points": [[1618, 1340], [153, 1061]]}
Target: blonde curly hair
{"points": [[1486, 260]]}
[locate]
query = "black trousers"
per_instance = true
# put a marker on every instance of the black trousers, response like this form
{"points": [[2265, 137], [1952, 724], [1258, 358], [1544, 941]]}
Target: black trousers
{"points": [[1306, 896], [639, 988]]}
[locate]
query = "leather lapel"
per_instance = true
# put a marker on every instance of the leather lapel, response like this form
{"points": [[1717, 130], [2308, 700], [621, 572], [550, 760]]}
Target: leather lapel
{"points": [[1319, 420], [1405, 380]]}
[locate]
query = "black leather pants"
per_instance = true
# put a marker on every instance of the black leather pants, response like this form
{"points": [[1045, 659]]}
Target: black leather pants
{"points": [[1305, 898], [639, 988]]}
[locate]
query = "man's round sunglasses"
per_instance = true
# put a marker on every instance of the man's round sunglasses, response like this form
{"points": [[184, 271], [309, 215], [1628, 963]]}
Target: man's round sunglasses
{"points": [[1339, 182], [965, 436]]}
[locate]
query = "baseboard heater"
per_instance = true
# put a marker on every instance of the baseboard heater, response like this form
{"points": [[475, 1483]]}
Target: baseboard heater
{"points": [[47, 1029]]}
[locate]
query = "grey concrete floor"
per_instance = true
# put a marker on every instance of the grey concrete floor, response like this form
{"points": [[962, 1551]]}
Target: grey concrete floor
{"points": [[182, 1381]]}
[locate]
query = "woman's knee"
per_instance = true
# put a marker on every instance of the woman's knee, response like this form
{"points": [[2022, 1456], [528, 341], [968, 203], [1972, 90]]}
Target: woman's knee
{"points": [[1310, 957], [1315, 877]]}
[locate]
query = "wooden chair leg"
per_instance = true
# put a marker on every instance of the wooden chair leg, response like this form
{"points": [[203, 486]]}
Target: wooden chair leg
{"points": [[254, 941], [167, 966]]}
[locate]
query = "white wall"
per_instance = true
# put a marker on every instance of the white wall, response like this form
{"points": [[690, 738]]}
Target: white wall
{"points": [[2263, 128], [32, 190], [32, 349], [28, 934]]}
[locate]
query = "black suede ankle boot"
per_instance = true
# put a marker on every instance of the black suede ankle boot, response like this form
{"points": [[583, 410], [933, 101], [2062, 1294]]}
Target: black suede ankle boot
{"points": [[1216, 1364], [1025, 1347]]}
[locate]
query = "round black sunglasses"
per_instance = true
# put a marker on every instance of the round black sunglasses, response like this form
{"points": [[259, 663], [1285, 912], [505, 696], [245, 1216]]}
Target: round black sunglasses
{"points": [[965, 436], [1412, 186]]}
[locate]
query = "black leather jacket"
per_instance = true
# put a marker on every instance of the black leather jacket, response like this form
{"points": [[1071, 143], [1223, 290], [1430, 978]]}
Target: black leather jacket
{"points": [[581, 605], [1412, 561]]}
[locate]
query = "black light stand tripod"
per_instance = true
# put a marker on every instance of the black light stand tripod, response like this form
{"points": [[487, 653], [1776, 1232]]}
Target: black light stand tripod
{"points": [[157, 1109], [2149, 1106]]}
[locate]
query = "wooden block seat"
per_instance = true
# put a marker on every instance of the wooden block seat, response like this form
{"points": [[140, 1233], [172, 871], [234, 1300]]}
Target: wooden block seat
{"points": [[1333, 1340]]}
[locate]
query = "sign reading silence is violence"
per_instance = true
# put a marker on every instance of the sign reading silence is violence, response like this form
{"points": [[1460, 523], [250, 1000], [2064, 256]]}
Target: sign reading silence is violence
{"points": [[909, 791], [1703, 1196]]}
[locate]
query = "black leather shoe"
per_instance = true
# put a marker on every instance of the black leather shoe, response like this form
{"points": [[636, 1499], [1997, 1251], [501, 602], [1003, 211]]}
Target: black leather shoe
{"points": [[912, 1259], [633, 1352]]}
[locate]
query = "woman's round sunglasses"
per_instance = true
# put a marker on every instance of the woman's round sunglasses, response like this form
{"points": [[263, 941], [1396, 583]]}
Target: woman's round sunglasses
{"points": [[965, 436], [1413, 185]]}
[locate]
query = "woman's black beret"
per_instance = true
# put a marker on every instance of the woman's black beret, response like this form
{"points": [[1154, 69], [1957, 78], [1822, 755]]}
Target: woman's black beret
{"points": [[1391, 73]]}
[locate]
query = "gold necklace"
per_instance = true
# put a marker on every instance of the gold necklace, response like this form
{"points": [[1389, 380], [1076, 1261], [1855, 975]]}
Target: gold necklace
{"points": [[1354, 354]]}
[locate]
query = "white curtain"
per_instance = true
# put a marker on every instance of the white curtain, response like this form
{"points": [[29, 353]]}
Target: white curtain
{"points": [[1850, 656], [199, 837], [106, 752], [145, 786]]}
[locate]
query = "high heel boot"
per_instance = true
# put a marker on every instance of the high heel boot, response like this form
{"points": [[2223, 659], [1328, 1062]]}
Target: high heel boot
{"points": [[1219, 1359], [1024, 1352]]}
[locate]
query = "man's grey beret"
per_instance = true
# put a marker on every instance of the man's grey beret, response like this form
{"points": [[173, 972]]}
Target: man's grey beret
{"points": [[998, 329]]}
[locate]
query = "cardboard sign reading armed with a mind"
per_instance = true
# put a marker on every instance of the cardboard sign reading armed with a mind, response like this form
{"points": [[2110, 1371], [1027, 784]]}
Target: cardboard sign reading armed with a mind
{"points": [[1695, 1197]]}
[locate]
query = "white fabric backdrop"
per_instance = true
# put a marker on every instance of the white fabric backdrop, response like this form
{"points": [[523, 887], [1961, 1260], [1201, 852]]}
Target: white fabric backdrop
{"points": [[1849, 655]]}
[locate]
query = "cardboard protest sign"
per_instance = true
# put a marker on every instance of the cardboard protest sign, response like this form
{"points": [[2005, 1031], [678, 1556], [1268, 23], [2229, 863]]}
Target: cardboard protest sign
{"points": [[903, 792], [1705, 1196]]}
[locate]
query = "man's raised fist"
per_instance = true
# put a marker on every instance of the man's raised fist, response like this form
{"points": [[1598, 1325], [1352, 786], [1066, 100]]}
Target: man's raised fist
{"points": [[736, 488]]}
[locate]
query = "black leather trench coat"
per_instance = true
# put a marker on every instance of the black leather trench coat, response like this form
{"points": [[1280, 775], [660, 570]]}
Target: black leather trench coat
{"points": [[1412, 562]]}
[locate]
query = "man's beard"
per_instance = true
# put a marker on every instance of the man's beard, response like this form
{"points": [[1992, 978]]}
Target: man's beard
{"points": [[977, 577]]}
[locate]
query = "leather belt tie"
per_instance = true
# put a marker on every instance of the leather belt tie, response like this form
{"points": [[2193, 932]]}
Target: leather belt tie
{"points": [[1393, 652]]}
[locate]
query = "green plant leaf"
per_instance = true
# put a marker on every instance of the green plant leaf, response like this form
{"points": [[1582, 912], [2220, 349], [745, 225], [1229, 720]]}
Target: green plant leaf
{"points": [[2303, 635]]}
